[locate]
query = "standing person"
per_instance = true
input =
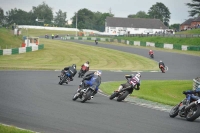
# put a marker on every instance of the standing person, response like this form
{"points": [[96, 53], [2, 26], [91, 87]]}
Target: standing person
{"points": [[52, 36]]}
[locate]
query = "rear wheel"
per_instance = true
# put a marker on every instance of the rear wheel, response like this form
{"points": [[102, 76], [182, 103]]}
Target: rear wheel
{"points": [[62, 81], [174, 111], [86, 96], [193, 113], [123, 96]]}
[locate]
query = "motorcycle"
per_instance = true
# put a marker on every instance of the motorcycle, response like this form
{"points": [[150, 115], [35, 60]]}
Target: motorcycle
{"points": [[64, 77], [96, 42], [122, 94], [191, 112], [152, 56], [84, 94], [81, 73], [162, 68]]}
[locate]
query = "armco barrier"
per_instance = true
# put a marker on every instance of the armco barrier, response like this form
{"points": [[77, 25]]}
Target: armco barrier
{"points": [[159, 45], [193, 48], [176, 46], [21, 50]]}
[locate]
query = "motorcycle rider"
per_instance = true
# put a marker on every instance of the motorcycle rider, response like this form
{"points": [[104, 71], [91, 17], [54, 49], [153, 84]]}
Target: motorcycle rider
{"points": [[150, 52], [192, 95], [71, 70], [132, 82], [161, 63], [92, 79], [85, 67]]}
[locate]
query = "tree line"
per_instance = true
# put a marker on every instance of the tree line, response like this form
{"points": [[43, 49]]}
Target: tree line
{"points": [[43, 15]]}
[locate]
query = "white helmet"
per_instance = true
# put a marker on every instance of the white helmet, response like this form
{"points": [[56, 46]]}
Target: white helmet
{"points": [[160, 60], [99, 72], [138, 75]]}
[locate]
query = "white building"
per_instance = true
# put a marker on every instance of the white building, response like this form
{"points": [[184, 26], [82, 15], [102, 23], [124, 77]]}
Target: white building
{"points": [[121, 26]]}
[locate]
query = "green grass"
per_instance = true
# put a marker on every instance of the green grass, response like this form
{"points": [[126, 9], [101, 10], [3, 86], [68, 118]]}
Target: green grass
{"points": [[194, 31], [9, 40], [169, 40], [42, 32], [12, 129], [161, 91], [58, 54]]}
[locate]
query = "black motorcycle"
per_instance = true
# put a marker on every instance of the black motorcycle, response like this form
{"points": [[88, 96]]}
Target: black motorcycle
{"points": [[64, 77], [96, 42], [84, 94], [152, 56], [122, 94], [191, 112]]}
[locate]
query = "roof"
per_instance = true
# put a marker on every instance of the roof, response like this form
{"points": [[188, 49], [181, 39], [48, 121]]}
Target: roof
{"points": [[135, 23], [197, 19], [187, 22]]}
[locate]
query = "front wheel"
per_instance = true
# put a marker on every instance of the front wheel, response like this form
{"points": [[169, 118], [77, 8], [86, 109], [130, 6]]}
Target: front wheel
{"points": [[193, 113], [76, 95], [174, 111], [123, 96], [62, 80], [113, 96]]}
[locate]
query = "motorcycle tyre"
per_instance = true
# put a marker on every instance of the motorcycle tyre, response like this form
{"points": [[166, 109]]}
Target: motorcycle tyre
{"points": [[123, 96], [174, 111], [194, 116], [87, 96]]}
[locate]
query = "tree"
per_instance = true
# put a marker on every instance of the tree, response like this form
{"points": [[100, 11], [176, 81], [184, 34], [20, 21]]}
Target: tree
{"points": [[140, 14], [42, 11], [160, 11], [175, 26], [1, 16], [60, 18], [195, 6]]}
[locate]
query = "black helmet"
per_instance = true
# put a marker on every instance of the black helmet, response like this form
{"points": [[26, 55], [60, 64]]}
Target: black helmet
{"points": [[74, 65], [88, 62]]}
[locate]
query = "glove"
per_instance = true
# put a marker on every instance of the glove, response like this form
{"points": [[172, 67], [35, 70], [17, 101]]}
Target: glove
{"points": [[184, 92]]}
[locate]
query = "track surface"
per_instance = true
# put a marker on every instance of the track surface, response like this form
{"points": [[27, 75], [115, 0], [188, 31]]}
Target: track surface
{"points": [[33, 100]]}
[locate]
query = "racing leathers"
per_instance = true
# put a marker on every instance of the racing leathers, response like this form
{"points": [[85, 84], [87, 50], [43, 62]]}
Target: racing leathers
{"points": [[91, 80], [85, 67], [161, 63], [192, 95], [132, 82], [71, 71]]}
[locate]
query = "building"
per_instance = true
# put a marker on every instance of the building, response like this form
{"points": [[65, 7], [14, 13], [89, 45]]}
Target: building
{"points": [[190, 24], [121, 26]]}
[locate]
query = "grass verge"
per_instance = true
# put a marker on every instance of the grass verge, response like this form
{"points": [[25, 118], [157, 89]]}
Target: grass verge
{"points": [[12, 129], [161, 91], [58, 54]]}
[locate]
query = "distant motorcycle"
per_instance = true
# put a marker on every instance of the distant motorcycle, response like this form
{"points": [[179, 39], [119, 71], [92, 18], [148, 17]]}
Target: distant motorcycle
{"points": [[96, 42], [47, 36], [64, 77], [81, 73], [190, 112], [162, 68], [84, 94], [151, 55]]}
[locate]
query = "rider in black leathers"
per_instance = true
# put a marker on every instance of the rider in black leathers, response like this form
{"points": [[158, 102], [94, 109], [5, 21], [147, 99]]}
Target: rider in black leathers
{"points": [[161, 63], [192, 95], [71, 70]]}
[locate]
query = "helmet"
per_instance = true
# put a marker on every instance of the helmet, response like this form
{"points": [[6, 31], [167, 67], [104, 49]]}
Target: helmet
{"points": [[98, 72], [74, 65], [150, 50], [160, 60], [88, 62], [138, 75]]}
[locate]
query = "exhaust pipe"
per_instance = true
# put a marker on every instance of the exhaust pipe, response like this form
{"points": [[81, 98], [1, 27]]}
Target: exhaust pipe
{"points": [[84, 90], [92, 97]]}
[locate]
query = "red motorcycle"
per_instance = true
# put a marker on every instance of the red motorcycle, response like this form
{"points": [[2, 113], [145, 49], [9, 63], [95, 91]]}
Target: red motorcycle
{"points": [[162, 68]]}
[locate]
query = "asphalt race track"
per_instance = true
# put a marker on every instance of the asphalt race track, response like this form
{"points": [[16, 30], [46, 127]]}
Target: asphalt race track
{"points": [[33, 100]]}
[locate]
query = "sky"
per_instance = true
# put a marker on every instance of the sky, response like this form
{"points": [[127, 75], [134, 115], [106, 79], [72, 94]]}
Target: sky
{"points": [[120, 8]]}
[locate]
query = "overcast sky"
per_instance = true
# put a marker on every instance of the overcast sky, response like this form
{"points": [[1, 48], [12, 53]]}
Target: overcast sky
{"points": [[120, 8]]}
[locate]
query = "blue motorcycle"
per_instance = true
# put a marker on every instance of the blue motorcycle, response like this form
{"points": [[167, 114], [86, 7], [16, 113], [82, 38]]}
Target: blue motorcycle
{"points": [[64, 77]]}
